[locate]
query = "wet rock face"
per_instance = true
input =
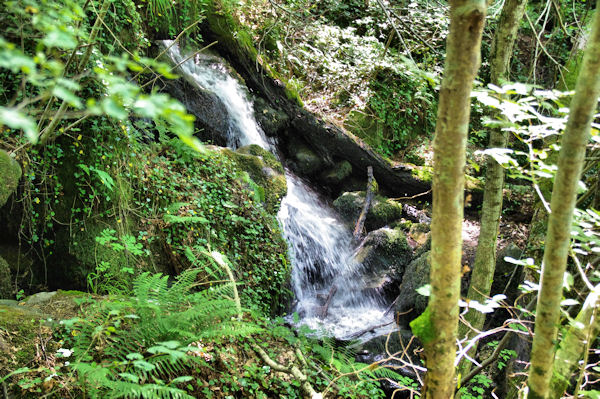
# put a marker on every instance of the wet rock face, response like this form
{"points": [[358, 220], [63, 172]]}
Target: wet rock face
{"points": [[271, 120], [212, 118], [304, 160], [383, 211]]}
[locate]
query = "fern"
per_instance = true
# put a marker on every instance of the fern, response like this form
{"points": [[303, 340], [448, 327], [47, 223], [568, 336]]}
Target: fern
{"points": [[126, 347]]}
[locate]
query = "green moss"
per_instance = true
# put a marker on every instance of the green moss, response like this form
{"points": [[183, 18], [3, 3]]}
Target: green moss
{"points": [[423, 173], [266, 156], [384, 211], [338, 173], [10, 173], [264, 169], [23, 325], [422, 327]]}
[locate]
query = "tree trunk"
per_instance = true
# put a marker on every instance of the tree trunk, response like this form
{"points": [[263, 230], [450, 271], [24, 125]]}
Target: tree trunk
{"points": [[564, 195], [437, 327], [491, 210], [578, 338]]}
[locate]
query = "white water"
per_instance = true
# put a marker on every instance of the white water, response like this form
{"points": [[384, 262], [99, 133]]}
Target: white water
{"points": [[319, 243]]}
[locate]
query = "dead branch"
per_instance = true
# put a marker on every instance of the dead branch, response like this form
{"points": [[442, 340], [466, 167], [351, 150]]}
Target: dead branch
{"points": [[371, 188]]}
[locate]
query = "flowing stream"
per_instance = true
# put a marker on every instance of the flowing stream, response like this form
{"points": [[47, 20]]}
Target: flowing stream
{"points": [[320, 244]]}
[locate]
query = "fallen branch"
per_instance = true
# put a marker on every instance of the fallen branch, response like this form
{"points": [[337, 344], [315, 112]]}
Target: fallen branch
{"points": [[371, 328], [371, 189], [293, 370], [325, 308]]}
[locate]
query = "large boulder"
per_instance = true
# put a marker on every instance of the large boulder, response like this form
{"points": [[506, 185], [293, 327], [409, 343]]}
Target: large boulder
{"points": [[264, 170], [384, 250], [10, 173], [384, 254], [410, 303], [383, 211]]}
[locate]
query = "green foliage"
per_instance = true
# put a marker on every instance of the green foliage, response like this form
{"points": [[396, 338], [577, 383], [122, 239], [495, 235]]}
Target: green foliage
{"points": [[146, 343], [476, 388], [198, 203], [169, 18], [405, 104]]}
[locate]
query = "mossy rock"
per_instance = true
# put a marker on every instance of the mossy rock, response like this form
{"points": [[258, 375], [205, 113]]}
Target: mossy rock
{"points": [[419, 232], [385, 251], [366, 127], [337, 174], [264, 170], [6, 287], [10, 174], [306, 161], [410, 303], [272, 121], [77, 254], [383, 211], [25, 328]]}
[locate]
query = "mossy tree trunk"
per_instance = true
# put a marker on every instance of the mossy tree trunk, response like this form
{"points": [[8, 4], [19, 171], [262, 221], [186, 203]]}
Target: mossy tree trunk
{"points": [[467, 18], [491, 210], [579, 337], [562, 204]]}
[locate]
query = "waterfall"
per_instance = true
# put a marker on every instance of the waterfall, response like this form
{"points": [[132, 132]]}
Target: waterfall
{"points": [[320, 244]]}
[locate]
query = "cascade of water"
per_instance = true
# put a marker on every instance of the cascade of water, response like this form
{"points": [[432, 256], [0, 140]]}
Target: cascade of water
{"points": [[211, 74], [319, 243]]}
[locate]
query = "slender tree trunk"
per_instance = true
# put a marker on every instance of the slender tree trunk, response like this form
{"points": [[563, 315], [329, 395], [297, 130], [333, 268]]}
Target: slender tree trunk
{"points": [[437, 327], [564, 194], [491, 210], [578, 338]]}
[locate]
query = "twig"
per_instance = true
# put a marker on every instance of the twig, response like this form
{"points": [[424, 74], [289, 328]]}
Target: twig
{"points": [[503, 342], [412, 197]]}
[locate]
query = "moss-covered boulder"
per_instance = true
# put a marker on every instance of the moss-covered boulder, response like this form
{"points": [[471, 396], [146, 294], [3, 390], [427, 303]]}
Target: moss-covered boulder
{"points": [[385, 250], [6, 288], [384, 254], [410, 303], [10, 173], [304, 160], [264, 170], [27, 338], [383, 211], [336, 175]]}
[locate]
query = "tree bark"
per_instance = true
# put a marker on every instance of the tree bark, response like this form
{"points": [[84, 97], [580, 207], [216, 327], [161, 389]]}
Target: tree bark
{"points": [[562, 204], [578, 338], [439, 323], [491, 210]]}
